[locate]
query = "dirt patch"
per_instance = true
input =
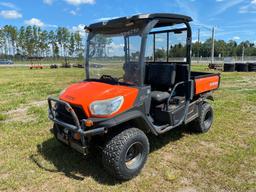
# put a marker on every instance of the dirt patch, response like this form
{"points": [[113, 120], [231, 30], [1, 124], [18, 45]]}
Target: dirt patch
{"points": [[37, 103], [249, 109], [187, 189], [20, 114]]}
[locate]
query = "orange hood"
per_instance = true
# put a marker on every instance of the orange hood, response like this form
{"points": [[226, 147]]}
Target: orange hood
{"points": [[84, 93]]}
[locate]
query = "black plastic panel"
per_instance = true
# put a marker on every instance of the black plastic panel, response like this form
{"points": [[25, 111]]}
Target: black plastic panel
{"points": [[64, 115]]}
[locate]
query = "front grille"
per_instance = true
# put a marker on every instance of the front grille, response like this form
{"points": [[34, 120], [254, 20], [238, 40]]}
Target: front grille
{"points": [[63, 115]]}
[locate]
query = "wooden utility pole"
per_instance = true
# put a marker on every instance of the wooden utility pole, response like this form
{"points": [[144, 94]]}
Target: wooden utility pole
{"points": [[198, 48], [213, 34], [243, 54]]}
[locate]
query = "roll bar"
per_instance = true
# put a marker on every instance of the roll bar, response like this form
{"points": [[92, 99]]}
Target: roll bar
{"points": [[144, 34]]}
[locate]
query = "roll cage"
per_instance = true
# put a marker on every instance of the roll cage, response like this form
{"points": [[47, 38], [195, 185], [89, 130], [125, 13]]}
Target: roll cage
{"points": [[142, 25]]}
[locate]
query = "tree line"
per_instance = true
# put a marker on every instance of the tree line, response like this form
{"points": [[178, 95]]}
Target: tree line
{"points": [[203, 49], [30, 41], [224, 49]]}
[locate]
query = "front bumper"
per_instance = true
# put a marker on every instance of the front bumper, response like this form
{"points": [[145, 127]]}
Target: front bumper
{"points": [[79, 127]]}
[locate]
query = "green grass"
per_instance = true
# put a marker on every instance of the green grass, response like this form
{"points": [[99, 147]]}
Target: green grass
{"points": [[49, 61], [32, 160]]}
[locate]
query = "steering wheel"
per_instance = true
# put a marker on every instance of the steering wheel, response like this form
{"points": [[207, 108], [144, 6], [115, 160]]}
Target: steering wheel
{"points": [[108, 77]]}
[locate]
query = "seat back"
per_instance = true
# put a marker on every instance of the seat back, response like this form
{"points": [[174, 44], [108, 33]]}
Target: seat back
{"points": [[181, 75], [132, 72], [181, 72], [161, 76]]}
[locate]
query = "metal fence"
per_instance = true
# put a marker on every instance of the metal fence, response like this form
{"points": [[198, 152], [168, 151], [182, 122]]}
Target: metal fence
{"points": [[207, 60]]}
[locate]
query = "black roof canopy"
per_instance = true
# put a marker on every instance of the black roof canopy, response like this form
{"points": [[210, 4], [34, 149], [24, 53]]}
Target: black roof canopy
{"points": [[124, 24]]}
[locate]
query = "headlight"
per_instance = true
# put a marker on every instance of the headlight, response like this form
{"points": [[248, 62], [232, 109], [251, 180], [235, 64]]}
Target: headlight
{"points": [[106, 107]]}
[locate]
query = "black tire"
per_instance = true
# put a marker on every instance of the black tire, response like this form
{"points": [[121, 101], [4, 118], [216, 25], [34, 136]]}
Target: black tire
{"points": [[203, 123], [252, 67], [241, 67], [125, 154], [229, 67]]}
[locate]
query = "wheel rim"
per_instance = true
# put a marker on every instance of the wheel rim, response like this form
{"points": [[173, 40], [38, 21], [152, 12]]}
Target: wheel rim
{"points": [[208, 119], [133, 156]]}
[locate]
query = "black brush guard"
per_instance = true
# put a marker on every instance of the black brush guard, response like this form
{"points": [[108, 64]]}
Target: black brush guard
{"points": [[77, 127]]}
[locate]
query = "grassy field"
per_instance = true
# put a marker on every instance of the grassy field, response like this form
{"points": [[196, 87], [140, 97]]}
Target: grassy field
{"points": [[32, 160], [49, 61]]}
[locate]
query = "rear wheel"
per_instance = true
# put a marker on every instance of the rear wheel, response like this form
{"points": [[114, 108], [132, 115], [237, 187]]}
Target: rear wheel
{"points": [[126, 153], [229, 67], [252, 67], [204, 122]]}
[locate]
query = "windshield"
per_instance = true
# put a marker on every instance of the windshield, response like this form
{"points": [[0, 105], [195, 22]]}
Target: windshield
{"points": [[114, 58]]}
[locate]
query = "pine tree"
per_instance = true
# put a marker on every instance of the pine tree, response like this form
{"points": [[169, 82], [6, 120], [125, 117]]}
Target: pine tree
{"points": [[71, 45]]}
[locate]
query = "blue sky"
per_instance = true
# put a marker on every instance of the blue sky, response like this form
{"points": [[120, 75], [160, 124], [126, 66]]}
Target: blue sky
{"points": [[233, 19]]}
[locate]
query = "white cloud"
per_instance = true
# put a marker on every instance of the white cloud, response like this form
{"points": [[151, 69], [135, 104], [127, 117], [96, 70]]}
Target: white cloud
{"points": [[194, 41], [8, 5], [236, 38], [188, 8], [73, 12], [49, 25], [35, 21], [38, 23], [159, 39], [10, 14], [106, 18], [48, 2], [79, 28], [115, 49], [80, 2], [249, 8], [225, 5]]}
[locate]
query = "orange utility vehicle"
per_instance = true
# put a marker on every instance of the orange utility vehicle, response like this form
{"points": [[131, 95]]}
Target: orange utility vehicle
{"points": [[35, 62], [138, 81]]}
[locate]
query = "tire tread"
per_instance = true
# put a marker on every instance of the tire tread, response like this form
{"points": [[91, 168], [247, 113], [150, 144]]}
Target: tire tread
{"points": [[197, 124], [113, 149]]}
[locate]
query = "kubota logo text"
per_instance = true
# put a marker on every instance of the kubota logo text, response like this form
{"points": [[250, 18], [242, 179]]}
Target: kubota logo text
{"points": [[213, 84]]}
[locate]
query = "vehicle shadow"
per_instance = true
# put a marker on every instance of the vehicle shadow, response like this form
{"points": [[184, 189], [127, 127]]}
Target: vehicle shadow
{"points": [[157, 142], [76, 166], [70, 163]]}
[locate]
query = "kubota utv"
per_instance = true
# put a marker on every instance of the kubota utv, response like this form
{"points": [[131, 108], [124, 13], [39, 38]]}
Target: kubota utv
{"points": [[138, 81]]}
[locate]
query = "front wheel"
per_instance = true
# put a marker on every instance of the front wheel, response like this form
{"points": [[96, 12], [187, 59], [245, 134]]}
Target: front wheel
{"points": [[204, 122], [126, 153]]}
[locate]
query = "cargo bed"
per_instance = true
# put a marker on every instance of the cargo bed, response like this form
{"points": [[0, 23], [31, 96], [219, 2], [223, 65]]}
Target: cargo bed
{"points": [[204, 82]]}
